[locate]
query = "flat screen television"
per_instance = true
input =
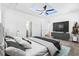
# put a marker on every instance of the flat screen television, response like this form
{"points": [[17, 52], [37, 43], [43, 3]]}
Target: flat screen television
{"points": [[61, 26]]}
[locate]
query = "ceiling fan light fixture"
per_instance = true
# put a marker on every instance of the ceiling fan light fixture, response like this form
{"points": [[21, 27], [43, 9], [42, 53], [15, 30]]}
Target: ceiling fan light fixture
{"points": [[45, 11]]}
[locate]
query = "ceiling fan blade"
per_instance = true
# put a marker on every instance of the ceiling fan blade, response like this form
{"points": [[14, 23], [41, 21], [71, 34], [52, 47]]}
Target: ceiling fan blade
{"points": [[45, 10], [40, 10], [41, 13], [50, 10]]}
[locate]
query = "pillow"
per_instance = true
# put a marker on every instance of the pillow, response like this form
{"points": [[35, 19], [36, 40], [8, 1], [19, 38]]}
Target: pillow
{"points": [[8, 39], [27, 40], [12, 51], [5, 44], [7, 36], [15, 44], [23, 42]]}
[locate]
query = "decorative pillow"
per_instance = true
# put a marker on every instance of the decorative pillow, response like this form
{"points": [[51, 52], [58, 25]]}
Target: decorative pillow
{"points": [[5, 44], [12, 51], [9, 39], [7, 36], [25, 39], [15, 44], [23, 42]]}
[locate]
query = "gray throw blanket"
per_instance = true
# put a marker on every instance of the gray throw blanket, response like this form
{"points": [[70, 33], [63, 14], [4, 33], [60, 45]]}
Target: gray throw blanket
{"points": [[52, 49]]}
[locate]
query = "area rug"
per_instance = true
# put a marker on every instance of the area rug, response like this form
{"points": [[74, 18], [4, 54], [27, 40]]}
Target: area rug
{"points": [[64, 51]]}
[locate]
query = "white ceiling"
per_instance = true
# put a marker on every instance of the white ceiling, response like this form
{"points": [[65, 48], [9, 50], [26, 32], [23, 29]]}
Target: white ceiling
{"points": [[61, 8]]}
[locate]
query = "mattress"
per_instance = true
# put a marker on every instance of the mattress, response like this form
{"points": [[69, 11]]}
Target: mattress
{"points": [[37, 50]]}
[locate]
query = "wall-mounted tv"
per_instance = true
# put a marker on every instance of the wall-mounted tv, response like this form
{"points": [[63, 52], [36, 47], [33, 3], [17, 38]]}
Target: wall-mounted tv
{"points": [[61, 26]]}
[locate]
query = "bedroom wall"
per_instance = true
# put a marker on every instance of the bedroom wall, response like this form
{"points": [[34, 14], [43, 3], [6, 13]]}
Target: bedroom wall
{"points": [[15, 20], [0, 13], [1, 34], [71, 17], [1, 27]]}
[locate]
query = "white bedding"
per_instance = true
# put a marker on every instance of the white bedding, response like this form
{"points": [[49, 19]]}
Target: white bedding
{"points": [[51, 47], [37, 50]]}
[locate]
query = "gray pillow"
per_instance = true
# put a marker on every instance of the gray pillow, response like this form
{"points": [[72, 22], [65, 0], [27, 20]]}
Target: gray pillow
{"points": [[24, 43], [12, 51], [16, 45]]}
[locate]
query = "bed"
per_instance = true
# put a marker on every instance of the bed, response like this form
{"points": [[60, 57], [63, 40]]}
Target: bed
{"points": [[38, 47], [35, 51]]}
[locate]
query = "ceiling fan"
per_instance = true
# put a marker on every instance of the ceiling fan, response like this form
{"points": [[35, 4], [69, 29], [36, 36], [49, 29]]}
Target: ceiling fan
{"points": [[46, 10]]}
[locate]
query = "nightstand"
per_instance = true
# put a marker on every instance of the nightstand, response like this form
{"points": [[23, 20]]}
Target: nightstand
{"points": [[75, 38]]}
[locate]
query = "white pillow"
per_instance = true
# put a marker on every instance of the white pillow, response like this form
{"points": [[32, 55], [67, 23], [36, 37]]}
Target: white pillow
{"points": [[8, 39], [23, 42], [12, 51]]}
